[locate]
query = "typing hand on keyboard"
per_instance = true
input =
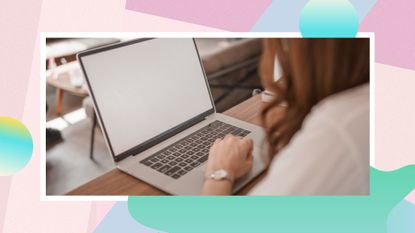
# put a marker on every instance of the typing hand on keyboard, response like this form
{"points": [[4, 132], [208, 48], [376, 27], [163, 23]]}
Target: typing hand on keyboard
{"points": [[233, 154], [183, 156]]}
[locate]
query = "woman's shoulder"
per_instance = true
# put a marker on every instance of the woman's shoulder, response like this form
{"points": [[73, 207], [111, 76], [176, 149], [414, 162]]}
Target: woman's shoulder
{"points": [[344, 107]]}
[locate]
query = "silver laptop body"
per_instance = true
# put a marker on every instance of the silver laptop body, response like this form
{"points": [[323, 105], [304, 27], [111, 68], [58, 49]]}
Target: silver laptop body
{"points": [[139, 151]]}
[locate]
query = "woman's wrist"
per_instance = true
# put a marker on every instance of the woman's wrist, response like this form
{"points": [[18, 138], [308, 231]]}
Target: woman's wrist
{"points": [[218, 181], [217, 187]]}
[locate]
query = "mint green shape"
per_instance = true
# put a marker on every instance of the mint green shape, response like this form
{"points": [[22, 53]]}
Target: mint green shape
{"points": [[329, 18], [287, 214]]}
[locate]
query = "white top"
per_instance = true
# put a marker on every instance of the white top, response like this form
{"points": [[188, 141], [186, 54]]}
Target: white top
{"points": [[329, 155]]}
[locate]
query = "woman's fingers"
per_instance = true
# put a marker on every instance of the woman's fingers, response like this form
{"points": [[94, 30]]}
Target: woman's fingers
{"points": [[247, 144], [244, 144], [228, 136], [232, 153], [213, 147], [249, 141], [217, 141]]}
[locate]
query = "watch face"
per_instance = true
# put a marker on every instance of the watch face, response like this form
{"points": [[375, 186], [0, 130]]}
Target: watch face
{"points": [[220, 174]]}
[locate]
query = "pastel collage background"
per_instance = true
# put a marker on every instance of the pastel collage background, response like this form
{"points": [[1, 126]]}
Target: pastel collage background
{"points": [[391, 210]]}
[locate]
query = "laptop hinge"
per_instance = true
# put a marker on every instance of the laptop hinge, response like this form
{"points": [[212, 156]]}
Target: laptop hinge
{"points": [[209, 116]]}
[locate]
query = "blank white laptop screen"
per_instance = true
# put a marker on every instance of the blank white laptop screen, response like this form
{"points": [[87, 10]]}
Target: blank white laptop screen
{"points": [[146, 88]]}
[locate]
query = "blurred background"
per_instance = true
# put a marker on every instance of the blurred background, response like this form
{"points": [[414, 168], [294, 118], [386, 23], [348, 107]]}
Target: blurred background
{"points": [[76, 150]]}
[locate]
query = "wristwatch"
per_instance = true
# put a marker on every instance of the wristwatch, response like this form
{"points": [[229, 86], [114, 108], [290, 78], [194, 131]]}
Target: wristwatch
{"points": [[220, 174]]}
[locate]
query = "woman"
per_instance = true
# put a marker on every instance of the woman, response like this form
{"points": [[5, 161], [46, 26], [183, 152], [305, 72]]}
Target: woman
{"points": [[320, 144]]}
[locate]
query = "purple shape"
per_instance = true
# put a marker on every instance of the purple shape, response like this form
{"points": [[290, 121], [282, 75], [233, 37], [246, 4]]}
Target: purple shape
{"points": [[393, 24], [233, 15]]}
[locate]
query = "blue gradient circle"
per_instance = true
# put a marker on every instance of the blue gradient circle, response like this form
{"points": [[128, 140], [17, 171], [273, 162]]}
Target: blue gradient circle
{"points": [[329, 18], [16, 146]]}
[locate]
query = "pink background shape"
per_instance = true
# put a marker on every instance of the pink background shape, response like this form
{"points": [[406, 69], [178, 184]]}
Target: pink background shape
{"points": [[98, 211], [394, 117], [18, 23], [4, 195], [233, 15], [411, 197], [105, 16], [393, 23], [24, 208], [15, 60]]}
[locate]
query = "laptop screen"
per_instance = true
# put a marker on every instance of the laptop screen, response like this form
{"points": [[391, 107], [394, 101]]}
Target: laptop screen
{"points": [[144, 89]]}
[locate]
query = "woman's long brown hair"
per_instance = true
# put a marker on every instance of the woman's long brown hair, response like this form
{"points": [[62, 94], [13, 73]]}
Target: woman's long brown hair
{"points": [[312, 69]]}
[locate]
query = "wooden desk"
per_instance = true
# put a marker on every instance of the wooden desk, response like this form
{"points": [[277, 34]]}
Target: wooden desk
{"points": [[116, 182]]}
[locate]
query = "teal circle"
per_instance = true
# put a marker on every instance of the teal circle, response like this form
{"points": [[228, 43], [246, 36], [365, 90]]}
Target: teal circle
{"points": [[329, 18], [16, 146]]}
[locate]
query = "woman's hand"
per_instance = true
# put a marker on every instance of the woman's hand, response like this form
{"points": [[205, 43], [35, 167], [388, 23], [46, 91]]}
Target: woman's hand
{"points": [[233, 154]]}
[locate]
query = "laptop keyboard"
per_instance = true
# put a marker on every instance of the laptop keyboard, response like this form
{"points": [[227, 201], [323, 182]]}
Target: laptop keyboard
{"points": [[183, 156]]}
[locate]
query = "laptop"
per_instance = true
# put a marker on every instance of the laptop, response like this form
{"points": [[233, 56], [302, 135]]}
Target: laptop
{"points": [[153, 103]]}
